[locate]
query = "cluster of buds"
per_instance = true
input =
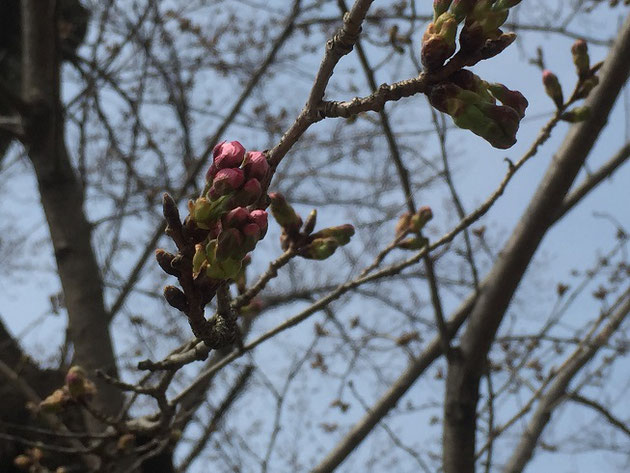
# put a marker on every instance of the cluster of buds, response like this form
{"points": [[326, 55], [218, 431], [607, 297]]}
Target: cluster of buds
{"points": [[587, 81], [481, 32], [222, 257], [299, 235], [412, 225], [233, 182], [77, 388], [472, 103]]}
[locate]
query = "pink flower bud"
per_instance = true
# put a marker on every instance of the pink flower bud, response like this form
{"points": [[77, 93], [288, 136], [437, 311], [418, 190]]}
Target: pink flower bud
{"points": [[236, 218], [259, 217], [251, 190], [256, 165], [228, 154], [226, 181], [212, 171]]}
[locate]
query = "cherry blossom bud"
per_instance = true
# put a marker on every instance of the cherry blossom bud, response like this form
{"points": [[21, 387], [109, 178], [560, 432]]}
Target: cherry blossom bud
{"points": [[228, 154], [341, 234], [250, 192], [284, 213], [579, 51], [164, 259], [319, 249], [438, 41], [235, 218], [413, 243], [226, 269], [252, 233], [511, 98], [226, 181], [176, 298], [260, 218], [309, 224], [553, 87], [212, 171], [256, 165], [493, 47]]}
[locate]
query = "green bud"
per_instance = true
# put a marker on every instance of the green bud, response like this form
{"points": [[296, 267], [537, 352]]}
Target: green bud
{"points": [[413, 243], [284, 214], [319, 249], [578, 114], [586, 87], [309, 224], [579, 51]]}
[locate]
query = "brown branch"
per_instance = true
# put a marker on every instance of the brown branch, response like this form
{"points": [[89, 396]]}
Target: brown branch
{"points": [[557, 389]]}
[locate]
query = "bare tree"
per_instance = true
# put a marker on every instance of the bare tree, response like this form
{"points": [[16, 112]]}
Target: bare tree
{"points": [[431, 338]]}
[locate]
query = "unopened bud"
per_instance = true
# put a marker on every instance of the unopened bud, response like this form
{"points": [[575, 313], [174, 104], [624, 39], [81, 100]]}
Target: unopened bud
{"points": [[341, 234], [235, 218], [250, 192], [229, 244], [256, 165], [284, 213], [553, 87], [461, 8], [511, 98], [438, 41], [226, 181], [413, 243], [164, 259], [579, 51], [309, 224], [319, 249], [228, 154], [176, 298], [493, 47], [260, 218], [170, 212]]}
